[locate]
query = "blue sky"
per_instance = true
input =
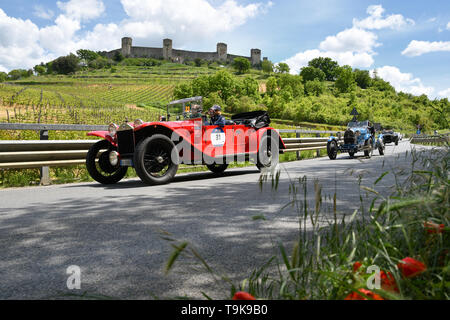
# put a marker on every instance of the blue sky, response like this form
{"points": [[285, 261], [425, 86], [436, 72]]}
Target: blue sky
{"points": [[407, 42]]}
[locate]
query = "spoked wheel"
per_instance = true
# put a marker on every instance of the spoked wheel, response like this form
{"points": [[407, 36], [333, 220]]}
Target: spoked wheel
{"points": [[332, 149], [154, 161], [268, 153], [368, 153], [102, 170], [217, 168], [381, 150]]}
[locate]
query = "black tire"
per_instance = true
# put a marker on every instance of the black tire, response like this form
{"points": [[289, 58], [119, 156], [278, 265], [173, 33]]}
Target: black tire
{"points": [[153, 160], [351, 154], [332, 149], [381, 151], [396, 142], [217, 168], [267, 158], [368, 153], [102, 171]]}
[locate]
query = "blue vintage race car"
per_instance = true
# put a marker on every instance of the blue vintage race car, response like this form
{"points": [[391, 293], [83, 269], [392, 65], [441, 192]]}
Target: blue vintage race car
{"points": [[360, 136]]}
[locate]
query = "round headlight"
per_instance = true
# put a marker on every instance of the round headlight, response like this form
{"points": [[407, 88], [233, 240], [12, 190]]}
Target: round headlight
{"points": [[113, 129], [114, 158], [138, 122]]}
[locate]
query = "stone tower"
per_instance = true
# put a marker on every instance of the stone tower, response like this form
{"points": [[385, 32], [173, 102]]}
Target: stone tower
{"points": [[222, 51], [126, 46], [255, 55], [167, 49]]}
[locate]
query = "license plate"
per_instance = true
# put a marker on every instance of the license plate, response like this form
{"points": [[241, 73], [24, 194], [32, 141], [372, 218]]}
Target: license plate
{"points": [[126, 163]]}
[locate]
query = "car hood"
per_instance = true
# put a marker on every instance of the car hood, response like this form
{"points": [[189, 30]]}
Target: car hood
{"points": [[361, 130]]}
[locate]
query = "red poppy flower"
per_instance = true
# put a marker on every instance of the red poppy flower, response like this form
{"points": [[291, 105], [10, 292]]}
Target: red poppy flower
{"points": [[411, 267], [356, 296], [432, 227], [356, 266], [242, 295], [388, 281]]}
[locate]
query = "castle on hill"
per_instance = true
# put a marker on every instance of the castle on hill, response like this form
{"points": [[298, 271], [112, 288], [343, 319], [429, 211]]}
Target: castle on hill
{"points": [[167, 52]]}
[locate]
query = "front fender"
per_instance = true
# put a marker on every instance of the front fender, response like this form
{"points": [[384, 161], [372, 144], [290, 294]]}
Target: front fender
{"points": [[104, 135]]}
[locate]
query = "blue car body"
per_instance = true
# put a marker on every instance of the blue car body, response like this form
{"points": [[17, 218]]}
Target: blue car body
{"points": [[359, 136]]}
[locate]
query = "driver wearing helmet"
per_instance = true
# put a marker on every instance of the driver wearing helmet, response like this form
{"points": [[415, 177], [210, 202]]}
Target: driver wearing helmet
{"points": [[215, 114]]}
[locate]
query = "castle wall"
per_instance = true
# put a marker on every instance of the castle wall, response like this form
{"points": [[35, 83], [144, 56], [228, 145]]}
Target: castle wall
{"points": [[192, 55], [167, 52], [145, 52]]}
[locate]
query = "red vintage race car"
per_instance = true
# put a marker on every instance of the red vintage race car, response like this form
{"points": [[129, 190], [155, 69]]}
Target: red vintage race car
{"points": [[183, 136]]}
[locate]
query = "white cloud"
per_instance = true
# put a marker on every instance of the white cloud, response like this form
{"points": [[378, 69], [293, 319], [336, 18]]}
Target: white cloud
{"points": [[41, 12], [301, 59], [181, 19], [418, 48], [376, 20], [444, 93], [403, 81], [354, 39], [448, 26], [354, 46], [82, 9], [23, 44]]}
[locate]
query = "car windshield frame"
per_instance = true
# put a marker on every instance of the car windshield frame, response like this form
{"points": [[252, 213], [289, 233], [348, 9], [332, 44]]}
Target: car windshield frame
{"points": [[358, 124], [182, 109]]}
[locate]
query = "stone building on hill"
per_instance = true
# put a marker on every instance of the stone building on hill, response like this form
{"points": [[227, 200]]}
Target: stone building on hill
{"points": [[167, 52]]}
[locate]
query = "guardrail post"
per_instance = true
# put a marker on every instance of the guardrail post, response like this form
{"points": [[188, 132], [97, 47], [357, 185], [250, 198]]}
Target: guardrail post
{"points": [[318, 150], [297, 135], [45, 172]]}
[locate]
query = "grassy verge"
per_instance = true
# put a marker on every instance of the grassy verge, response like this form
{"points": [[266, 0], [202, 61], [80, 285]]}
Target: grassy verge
{"points": [[402, 242]]}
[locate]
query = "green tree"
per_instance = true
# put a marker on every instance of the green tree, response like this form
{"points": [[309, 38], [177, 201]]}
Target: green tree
{"points": [[87, 55], [182, 90], [312, 73], [3, 76], [267, 66], [66, 65], [223, 83], [291, 82], [327, 65], [346, 80], [282, 68], [362, 78], [314, 87], [250, 87], [17, 74], [118, 56], [271, 86], [40, 69], [242, 65]]}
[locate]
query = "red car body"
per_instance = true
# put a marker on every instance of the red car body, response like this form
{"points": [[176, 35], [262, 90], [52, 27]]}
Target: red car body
{"points": [[155, 149]]}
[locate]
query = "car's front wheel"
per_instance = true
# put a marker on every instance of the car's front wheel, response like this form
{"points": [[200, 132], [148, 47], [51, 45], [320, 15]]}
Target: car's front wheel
{"points": [[268, 152], [154, 161], [99, 166], [217, 168], [332, 149], [368, 153]]}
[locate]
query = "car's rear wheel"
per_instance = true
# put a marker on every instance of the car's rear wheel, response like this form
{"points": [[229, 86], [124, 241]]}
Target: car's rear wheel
{"points": [[102, 170], [268, 152], [154, 161], [368, 152], [332, 149], [217, 168], [351, 154]]}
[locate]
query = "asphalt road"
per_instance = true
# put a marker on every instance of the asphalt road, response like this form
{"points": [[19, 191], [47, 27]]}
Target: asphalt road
{"points": [[113, 232]]}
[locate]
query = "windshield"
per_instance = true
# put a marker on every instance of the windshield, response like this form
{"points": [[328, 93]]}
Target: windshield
{"points": [[358, 124], [184, 109]]}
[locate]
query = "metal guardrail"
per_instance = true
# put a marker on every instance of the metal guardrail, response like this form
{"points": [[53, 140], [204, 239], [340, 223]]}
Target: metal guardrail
{"points": [[44, 153], [431, 139]]}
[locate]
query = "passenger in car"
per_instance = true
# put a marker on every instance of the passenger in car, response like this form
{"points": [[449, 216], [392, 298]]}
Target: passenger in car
{"points": [[216, 116]]}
